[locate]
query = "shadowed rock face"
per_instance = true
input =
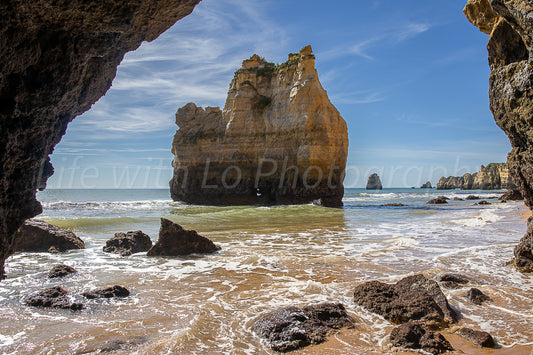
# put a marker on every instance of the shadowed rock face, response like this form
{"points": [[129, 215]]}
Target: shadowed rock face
{"points": [[510, 25], [38, 236], [279, 140], [56, 59]]}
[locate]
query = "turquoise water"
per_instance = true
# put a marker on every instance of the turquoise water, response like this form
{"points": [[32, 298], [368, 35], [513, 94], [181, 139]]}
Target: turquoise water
{"points": [[270, 257]]}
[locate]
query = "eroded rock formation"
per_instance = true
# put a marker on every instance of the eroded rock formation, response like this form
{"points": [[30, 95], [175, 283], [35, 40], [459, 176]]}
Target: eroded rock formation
{"points": [[293, 328], [176, 241], [56, 59], [416, 335], [510, 25], [128, 243], [38, 236], [279, 140], [412, 298], [426, 185], [494, 176], [373, 182]]}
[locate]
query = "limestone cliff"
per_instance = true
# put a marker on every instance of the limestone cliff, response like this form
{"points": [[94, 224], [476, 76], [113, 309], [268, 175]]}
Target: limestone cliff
{"points": [[56, 59], [510, 25], [278, 140], [494, 176]]}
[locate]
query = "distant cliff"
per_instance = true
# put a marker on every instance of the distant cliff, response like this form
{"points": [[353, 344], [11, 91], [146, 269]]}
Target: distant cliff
{"points": [[279, 140], [494, 176]]}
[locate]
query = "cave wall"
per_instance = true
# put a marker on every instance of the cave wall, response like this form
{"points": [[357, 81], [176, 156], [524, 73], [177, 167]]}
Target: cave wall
{"points": [[57, 58], [510, 26]]}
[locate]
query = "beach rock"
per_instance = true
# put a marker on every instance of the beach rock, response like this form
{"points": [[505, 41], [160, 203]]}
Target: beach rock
{"points": [[458, 199], [38, 236], [53, 297], [439, 200], [374, 183], [293, 328], [278, 140], [481, 203], [128, 243], [472, 197], [415, 335], [479, 338], [108, 292], [451, 280], [57, 59], [512, 195], [393, 205], [176, 241], [427, 185], [476, 296], [494, 176], [412, 298], [60, 271], [523, 252]]}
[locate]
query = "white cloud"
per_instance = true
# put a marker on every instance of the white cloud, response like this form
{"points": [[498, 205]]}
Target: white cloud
{"points": [[383, 37], [358, 97], [193, 61]]}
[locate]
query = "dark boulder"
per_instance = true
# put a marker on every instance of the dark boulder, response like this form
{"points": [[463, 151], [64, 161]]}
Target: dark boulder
{"points": [[479, 338], [108, 292], [458, 199], [472, 197], [451, 280], [412, 298], [439, 200], [38, 236], [176, 241], [523, 252], [53, 297], [476, 296], [393, 205], [374, 183], [415, 335], [60, 271], [427, 185], [128, 243], [293, 328], [512, 195]]}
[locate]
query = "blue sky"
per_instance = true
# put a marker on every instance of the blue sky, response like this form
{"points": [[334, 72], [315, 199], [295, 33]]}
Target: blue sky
{"points": [[409, 77]]}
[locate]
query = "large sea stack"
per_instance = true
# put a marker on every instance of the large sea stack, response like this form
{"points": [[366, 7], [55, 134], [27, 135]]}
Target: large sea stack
{"points": [[279, 140], [510, 46], [57, 58]]}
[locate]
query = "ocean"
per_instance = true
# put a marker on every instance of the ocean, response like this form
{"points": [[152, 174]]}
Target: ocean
{"points": [[271, 257]]}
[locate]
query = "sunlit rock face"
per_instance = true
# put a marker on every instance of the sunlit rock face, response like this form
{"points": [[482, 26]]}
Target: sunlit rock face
{"points": [[278, 140], [510, 25], [56, 59], [494, 176]]}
